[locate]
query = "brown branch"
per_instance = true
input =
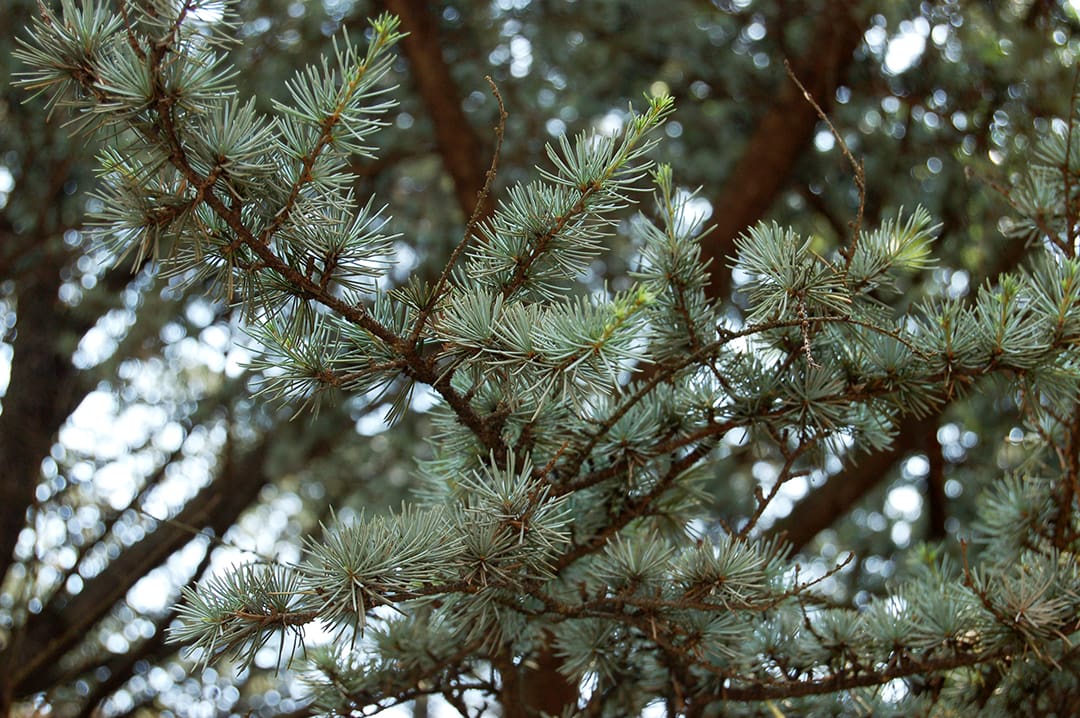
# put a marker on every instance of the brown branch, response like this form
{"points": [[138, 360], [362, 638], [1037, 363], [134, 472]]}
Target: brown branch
{"points": [[846, 681], [636, 507], [787, 473], [1069, 489], [825, 505], [50, 634], [418, 367], [935, 484], [1067, 170]]}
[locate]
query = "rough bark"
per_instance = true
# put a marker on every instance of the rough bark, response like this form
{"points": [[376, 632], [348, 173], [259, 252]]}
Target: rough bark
{"points": [[543, 687]]}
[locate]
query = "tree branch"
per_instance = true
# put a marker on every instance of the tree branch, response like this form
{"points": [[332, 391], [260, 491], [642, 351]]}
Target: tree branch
{"points": [[828, 503], [48, 635]]}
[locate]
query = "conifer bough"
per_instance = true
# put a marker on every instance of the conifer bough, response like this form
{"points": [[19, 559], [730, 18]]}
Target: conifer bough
{"points": [[563, 511]]}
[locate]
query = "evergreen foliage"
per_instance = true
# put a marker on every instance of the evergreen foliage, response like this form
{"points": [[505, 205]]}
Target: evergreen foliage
{"points": [[563, 508]]}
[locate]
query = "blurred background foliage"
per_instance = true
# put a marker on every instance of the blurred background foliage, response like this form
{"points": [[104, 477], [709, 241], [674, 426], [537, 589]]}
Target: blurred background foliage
{"points": [[133, 458]]}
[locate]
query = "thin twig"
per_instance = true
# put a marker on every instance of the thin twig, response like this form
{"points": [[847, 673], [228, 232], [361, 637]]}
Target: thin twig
{"points": [[1039, 221], [474, 219], [786, 475], [856, 167]]}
